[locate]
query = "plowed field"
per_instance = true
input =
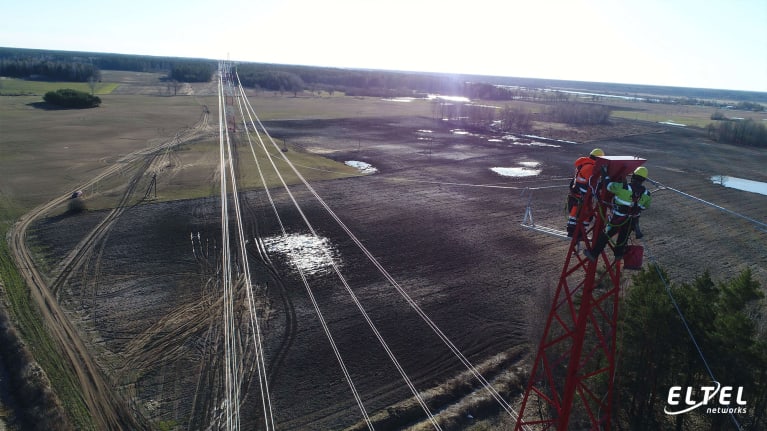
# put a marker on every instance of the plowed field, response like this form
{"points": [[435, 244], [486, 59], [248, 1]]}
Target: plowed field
{"points": [[143, 291]]}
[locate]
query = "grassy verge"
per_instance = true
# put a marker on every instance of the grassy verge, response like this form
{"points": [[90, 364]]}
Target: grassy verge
{"points": [[311, 166], [191, 171], [461, 400], [657, 117], [691, 116], [39, 403], [11, 86]]}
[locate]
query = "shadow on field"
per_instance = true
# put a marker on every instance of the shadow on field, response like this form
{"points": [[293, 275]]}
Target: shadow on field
{"points": [[38, 407], [45, 106]]}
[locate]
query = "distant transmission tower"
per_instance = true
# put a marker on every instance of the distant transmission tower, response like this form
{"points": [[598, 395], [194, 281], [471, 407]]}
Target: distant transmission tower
{"points": [[231, 121]]}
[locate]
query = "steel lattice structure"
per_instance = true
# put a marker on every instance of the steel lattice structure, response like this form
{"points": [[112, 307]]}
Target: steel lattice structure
{"points": [[571, 381]]}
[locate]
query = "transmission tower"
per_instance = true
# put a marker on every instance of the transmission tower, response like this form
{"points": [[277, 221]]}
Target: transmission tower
{"points": [[231, 121], [227, 76], [571, 380]]}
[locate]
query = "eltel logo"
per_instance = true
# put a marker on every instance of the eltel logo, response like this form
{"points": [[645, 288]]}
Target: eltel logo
{"points": [[725, 397]]}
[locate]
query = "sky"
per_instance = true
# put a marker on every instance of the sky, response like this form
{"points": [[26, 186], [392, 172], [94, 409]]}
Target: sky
{"points": [[681, 43]]}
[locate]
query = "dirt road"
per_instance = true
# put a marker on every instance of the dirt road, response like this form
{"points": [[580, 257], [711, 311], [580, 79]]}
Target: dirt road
{"points": [[108, 409]]}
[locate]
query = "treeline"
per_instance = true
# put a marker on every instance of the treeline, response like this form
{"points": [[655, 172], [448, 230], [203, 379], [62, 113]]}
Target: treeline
{"points": [[517, 119], [351, 82], [749, 106], [48, 69], [746, 132], [52, 65], [579, 114], [714, 103], [192, 71], [71, 99], [38, 407], [375, 83], [103, 61], [485, 91], [271, 80], [657, 352]]}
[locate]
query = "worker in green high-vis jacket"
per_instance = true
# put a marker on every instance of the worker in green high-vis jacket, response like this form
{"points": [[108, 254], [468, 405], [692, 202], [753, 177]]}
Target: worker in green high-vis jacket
{"points": [[629, 200]]}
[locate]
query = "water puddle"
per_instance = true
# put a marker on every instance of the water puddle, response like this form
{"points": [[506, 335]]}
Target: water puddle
{"points": [[423, 134], [530, 164], [563, 141], [741, 184], [311, 254], [460, 132], [364, 168], [320, 150], [448, 98], [527, 169], [671, 123], [429, 97], [400, 99], [526, 142]]}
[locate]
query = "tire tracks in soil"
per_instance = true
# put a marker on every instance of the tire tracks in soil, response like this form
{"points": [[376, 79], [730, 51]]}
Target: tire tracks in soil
{"points": [[108, 409], [262, 255], [291, 328]]}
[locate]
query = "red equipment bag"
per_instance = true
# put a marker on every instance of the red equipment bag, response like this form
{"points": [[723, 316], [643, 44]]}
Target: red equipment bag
{"points": [[632, 258]]}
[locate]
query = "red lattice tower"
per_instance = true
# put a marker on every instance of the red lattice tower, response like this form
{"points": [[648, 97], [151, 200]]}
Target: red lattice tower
{"points": [[571, 381]]}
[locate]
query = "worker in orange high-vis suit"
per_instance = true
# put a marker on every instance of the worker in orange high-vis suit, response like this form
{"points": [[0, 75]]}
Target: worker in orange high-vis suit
{"points": [[579, 185]]}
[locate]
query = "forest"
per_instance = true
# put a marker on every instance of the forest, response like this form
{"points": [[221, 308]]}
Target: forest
{"points": [[48, 69], [716, 337]]}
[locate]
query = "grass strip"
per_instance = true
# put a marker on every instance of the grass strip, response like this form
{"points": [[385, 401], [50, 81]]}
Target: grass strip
{"points": [[15, 87], [30, 325]]}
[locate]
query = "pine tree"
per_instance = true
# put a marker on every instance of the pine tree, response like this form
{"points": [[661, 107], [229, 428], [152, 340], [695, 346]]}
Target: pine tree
{"points": [[657, 352]]}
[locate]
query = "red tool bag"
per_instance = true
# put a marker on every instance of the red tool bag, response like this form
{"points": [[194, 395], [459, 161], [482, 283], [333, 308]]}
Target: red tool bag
{"points": [[632, 257]]}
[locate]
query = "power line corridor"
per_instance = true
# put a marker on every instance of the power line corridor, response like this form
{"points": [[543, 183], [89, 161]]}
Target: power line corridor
{"points": [[235, 109]]}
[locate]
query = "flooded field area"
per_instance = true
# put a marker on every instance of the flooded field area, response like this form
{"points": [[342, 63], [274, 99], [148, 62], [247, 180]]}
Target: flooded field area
{"points": [[741, 184], [310, 254], [526, 169]]}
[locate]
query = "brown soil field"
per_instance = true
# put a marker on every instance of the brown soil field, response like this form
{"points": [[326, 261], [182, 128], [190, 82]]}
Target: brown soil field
{"points": [[131, 286], [142, 290]]}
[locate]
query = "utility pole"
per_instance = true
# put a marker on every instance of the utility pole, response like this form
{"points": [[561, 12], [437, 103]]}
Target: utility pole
{"points": [[152, 187]]}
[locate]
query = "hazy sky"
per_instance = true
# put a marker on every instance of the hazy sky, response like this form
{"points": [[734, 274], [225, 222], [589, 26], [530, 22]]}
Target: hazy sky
{"points": [[690, 43]]}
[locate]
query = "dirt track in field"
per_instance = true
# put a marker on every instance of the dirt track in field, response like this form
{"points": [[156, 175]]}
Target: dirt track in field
{"points": [[100, 396], [140, 286]]}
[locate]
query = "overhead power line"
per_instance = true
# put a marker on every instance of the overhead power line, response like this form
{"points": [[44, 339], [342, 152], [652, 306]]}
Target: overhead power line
{"points": [[761, 225], [504, 404], [686, 325]]}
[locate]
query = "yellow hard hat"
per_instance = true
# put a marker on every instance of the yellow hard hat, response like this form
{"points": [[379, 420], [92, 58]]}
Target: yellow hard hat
{"points": [[641, 172], [597, 152]]}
